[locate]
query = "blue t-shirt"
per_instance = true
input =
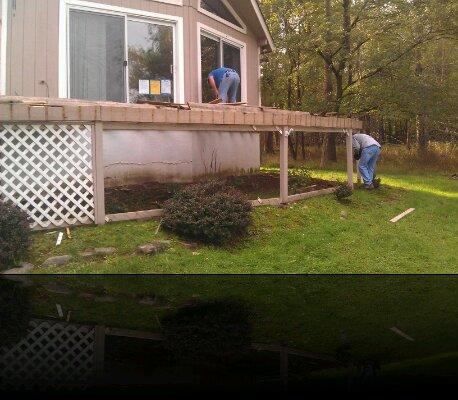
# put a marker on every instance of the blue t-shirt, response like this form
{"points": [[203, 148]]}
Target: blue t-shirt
{"points": [[218, 75]]}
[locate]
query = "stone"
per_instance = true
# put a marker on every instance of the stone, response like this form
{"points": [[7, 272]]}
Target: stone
{"points": [[86, 295], [190, 246], [105, 299], [57, 289], [156, 247], [99, 252], [57, 261], [343, 214], [24, 268]]}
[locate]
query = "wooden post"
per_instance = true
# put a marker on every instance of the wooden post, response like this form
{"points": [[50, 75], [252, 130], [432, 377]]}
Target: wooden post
{"points": [[284, 133], [99, 350], [284, 368], [98, 173], [349, 142]]}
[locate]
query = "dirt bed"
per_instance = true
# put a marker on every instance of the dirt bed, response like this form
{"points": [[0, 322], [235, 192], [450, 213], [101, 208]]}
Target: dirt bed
{"points": [[152, 195]]}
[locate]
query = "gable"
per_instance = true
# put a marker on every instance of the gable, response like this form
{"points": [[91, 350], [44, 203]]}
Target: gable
{"points": [[223, 10]]}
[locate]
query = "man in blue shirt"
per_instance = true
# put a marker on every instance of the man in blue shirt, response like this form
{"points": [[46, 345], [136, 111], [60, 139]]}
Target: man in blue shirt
{"points": [[225, 84]]}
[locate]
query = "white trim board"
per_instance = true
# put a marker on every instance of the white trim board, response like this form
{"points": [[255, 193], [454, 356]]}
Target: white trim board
{"points": [[3, 45], [263, 24], [230, 40], [128, 13], [243, 29]]}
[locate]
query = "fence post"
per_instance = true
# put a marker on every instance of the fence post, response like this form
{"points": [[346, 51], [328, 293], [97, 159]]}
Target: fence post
{"points": [[284, 368], [284, 133], [99, 350], [98, 172], [349, 143]]}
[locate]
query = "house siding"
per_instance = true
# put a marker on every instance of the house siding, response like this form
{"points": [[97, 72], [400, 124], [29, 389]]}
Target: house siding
{"points": [[33, 45]]}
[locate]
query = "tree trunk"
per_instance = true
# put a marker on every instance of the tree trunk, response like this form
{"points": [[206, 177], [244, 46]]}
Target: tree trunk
{"points": [[422, 136], [328, 151]]}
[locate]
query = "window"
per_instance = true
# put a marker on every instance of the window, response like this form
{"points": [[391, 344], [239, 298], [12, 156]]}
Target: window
{"points": [[216, 53], [223, 11], [150, 61], [96, 56], [114, 55]]}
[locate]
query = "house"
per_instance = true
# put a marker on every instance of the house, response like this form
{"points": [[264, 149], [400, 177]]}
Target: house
{"points": [[71, 72], [123, 50]]}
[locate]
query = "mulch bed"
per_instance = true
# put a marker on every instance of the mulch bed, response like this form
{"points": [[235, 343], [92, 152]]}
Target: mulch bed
{"points": [[152, 195]]}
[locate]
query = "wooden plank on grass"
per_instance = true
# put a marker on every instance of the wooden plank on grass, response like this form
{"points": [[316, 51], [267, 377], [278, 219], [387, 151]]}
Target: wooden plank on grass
{"points": [[400, 216]]}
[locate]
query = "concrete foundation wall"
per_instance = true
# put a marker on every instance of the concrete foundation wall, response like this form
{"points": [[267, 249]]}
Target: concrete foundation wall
{"points": [[175, 156]]}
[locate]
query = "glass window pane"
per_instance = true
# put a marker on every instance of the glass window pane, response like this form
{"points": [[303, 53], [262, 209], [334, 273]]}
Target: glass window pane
{"points": [[96, 56], [150, 62], [231, 58], [218, 8], [210, 59]]}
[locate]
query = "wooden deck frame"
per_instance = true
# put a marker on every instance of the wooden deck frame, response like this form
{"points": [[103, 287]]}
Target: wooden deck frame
{"points": [[106, 116]]}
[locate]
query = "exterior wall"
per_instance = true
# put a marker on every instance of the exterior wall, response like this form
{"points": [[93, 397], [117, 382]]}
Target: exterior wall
{"points": [[176, 156], [33, 70], [33, 45]]}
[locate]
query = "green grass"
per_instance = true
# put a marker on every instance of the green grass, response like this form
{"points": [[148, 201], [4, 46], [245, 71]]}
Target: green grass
{"points": [[306, 312], [307, 237]]}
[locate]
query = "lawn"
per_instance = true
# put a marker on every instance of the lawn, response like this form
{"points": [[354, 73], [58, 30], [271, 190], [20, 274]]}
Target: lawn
{"points": [[306, 237], [313, 313]]}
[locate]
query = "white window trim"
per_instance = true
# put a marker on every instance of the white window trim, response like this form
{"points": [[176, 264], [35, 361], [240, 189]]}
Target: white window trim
{"points": [[3, 46], [201, 28], [243, 29], [130, 13]]}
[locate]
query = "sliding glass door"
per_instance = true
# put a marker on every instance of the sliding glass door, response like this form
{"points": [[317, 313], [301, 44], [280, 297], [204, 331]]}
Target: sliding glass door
{"points": [[97, 55], [150, 61], [216, 53], [118, 58]]}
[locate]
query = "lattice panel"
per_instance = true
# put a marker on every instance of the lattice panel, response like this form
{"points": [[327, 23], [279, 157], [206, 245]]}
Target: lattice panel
{"points": [[53, 354], [46, 169]]}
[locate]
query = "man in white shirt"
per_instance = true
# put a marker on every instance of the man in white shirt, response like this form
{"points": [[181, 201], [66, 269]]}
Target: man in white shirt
{"points": [[367, 150]]}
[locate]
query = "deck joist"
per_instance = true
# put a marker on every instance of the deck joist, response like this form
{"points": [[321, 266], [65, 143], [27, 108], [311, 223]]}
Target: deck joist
{"points": [[183, 117]]}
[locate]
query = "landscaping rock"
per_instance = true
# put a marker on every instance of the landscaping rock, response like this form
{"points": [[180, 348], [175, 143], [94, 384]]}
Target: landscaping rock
{"points": [[57, 261], [99, 252], [57, 289], [343, 214], [23, 268], [153, 248], [190, 246], [105, 299]]}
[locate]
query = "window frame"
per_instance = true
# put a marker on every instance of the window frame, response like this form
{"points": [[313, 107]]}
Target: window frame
{"points": [[222, 38], [242, 29], [128, 14]]}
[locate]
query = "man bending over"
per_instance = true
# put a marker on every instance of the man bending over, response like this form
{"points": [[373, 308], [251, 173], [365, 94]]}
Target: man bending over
{"points": [[225, 84], [367, 150]]}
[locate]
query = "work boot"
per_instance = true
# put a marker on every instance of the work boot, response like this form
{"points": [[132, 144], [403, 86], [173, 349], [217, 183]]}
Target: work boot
{"points": [[369, 187]]}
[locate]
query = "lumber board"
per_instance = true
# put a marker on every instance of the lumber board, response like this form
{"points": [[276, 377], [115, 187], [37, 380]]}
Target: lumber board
{"points": [[402, 215]]}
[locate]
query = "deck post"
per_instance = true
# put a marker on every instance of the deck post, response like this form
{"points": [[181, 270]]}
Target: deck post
{"points": [[98, 173], [349, 143], [284, 133]]}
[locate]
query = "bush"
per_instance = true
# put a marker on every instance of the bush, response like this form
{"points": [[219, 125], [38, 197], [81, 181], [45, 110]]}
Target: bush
{"points": [[209, 212], [208, 333], [14, 233], [343, 191], [15, 312]]}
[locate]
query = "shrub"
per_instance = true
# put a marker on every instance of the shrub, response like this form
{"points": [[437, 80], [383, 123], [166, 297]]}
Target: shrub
{"points": [[15, 312], [14, 233], [209, 212], [208, 333], [343, 191]]}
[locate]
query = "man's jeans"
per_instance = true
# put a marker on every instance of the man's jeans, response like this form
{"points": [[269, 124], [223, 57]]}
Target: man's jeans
{"points": [[369, 157], [229, 87]]}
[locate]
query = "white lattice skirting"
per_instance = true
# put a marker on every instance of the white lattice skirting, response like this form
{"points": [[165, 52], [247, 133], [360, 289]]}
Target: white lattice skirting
{"points": [[52, 354], [46, 169]]}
